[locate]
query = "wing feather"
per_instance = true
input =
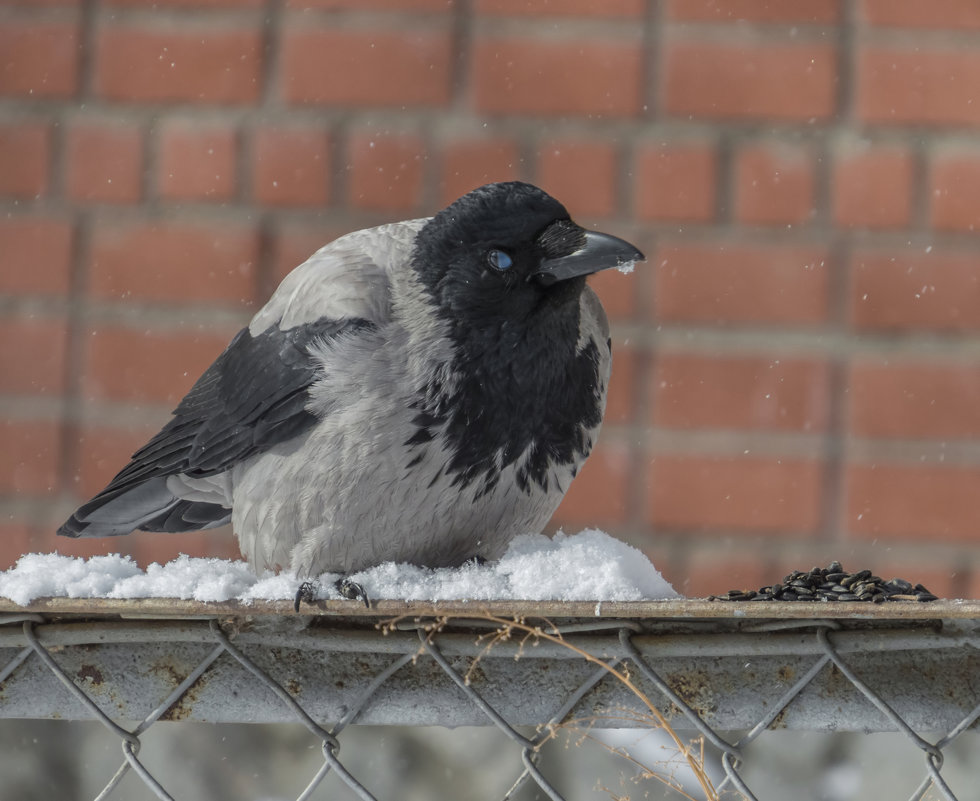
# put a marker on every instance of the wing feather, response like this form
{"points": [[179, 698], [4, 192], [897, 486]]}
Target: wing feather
{"points": [[251, 398], [256, 394]]}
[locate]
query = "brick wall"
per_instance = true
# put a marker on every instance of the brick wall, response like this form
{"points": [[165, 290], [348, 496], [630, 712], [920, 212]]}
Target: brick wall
{"points": [[797, 370]]}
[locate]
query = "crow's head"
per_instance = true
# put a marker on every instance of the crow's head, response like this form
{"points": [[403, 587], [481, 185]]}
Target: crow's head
{"points": [[506, 251]]}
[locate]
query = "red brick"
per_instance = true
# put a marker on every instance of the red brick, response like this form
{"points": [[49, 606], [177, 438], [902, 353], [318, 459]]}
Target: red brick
{"points": [[366, 68], [675, 182], [467, 164], [36, 255], [581, 174], [32, 355], [762, 81], [954, 14], [620, 401], [188, 4], [973, 584], [917, 86], [572, 8], [386, 172], [954, 191], [599, 495], [618, 292], [105, 163], [915, 289], [101, 451], [29, 456], [663, 555], [148, 547], [24, 153], [192, 64], [924, 503], [40, 529], [373, 5], [16, 537], [753, 10], [914, 400], [146, 365], [294, 243], [585, 77], [872, 187], [691, 391], [944, 581], [741, 283], [42, 3], [774, 184], [173, 261], [748, 494], [197, 162], [291, 166], [83, 547], [40, 59], [716, 569]]}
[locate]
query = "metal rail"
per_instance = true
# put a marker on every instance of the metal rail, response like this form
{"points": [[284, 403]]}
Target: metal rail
{"points": [[706, 667]]}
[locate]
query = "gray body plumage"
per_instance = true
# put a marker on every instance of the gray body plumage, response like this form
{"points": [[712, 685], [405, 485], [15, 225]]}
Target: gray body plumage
{"points": [[363, 455]]}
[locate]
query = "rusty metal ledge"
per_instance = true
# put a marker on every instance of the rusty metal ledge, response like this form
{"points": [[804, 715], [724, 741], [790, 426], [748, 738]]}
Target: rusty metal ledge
{"points": [[631, 610], [735, 664]]}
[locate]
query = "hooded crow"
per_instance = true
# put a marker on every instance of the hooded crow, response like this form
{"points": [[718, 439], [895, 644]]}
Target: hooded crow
{"points": [[419, 392]]}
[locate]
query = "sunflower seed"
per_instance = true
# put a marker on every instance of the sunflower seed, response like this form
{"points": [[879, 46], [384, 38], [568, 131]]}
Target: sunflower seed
{"points": [[833, 583]]}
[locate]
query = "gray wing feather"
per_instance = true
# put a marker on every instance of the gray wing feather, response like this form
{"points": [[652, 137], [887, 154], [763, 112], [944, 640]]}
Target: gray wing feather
{"points": [[252, 397], [256, 394]]}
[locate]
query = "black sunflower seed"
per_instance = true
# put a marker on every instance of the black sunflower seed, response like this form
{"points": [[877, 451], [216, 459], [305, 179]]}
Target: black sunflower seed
{"points": [[833, 583]]}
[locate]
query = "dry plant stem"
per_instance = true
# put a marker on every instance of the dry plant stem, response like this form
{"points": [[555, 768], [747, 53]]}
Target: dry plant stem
{"points": [[645, 772], [536, 632], [503, 633]]}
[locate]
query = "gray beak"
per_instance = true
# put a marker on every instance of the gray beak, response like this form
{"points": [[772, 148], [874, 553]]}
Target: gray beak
{"points": [[600, 252]]}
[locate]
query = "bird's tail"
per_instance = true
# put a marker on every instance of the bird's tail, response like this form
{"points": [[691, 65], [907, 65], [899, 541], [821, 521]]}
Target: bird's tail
{"points": [[146, 505]]}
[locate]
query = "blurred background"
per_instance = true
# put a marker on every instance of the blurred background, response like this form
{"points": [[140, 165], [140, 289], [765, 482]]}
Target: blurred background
{"points": [[797, 365]]}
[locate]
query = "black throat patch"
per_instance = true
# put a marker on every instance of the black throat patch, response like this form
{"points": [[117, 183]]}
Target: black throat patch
{"points": [[522, 396], [521, 392]]}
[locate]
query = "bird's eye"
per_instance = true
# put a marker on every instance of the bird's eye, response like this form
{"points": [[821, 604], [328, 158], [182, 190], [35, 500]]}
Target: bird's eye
{"points": [[499, 260]]}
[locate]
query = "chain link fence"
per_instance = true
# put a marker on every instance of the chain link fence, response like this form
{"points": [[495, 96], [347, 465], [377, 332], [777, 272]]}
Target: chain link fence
{"points": [[711, 677]]}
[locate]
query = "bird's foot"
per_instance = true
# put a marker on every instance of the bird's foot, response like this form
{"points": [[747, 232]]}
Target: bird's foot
{"points": [[352, 591], [477, 560], [308, 592]]}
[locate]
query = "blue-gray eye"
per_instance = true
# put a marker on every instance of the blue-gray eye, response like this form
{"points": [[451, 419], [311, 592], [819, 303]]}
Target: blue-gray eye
{"points": [[499, 260]]}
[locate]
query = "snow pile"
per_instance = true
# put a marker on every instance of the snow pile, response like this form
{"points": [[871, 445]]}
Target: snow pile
{"points": [[590, 566]]}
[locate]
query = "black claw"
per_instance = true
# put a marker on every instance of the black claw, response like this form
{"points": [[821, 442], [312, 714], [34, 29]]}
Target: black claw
{"points": [[478, 560], [352, 591], [307, 591]]}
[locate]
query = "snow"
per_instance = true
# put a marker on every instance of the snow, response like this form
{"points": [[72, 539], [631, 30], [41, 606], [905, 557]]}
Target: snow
{"points": [[588, 566]]}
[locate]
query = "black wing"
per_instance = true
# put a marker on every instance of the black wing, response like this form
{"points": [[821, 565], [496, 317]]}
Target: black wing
{"points": [[252, 397]]}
